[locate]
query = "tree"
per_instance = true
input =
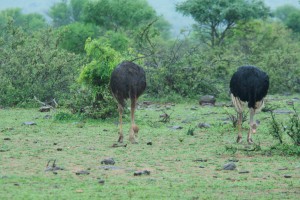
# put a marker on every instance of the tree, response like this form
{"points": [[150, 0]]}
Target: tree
{"points": [[66, 12], [60, 14], [29, 22], [74, 35], [215, 18], [290, 16], [120, 14]]}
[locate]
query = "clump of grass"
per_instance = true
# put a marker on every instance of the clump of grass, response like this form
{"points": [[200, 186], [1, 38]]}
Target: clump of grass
{"points": [[275, 130], [292, 130], [234, 118], [191, 131], [64, 116]]}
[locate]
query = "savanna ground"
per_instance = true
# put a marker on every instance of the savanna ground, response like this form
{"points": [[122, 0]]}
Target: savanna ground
{"points": [[181, 165]]}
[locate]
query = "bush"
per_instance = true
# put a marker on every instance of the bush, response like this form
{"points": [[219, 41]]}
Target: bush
{"points": [[33, 65], [291, 129]]}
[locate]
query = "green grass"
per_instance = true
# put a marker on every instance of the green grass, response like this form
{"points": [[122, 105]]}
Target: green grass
{"points": [[25, 151]]}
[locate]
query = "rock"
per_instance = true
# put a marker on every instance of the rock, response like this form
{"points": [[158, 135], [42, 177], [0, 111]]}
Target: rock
{"points": [[109, 167], [203, 125], [282, 111], [287, 176], [176, 127], [101, 181], [229, 166], [108, 161], [147, 103], [6, 138], [200, 160], [285, 168], [47, 117], [244, 172], [149, 143], [139, 173], [115, 145], [82, 172], [45, 109], [207, 100], [29, 123], [233, 160]]}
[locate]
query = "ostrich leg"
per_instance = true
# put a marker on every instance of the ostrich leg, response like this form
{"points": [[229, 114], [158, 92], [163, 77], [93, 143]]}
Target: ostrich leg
{"points": [[134, 128], [240, 119], [120, 109], [252, 126]]}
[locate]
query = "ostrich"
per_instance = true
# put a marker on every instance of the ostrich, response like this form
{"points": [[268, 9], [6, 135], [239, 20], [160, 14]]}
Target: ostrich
{"points": [[128, 80], [248, 84]]}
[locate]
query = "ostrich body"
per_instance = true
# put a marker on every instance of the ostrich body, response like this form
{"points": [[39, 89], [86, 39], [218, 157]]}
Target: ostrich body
{"points": [[248, 84], [128, 80]]}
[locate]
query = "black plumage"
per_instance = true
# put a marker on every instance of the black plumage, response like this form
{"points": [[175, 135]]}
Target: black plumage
{"points": [[248, 84], [128, 81]]}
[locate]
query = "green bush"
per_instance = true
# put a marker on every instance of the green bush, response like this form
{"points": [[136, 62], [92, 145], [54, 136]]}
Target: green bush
{"points": [[33, 65]]}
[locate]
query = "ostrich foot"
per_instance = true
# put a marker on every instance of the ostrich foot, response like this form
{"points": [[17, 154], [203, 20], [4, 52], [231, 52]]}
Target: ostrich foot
{"points": [[250, 141], [133, 134], [120, 140], [239, 139]]}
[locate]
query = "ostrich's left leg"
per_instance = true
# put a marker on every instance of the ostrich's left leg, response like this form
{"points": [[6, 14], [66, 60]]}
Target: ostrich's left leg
{"points": [[134, 128], [120, 109], [239, 109], [252, 124]]}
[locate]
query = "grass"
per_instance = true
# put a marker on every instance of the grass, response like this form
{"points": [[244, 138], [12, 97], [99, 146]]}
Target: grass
{"points": [[182, 165]]}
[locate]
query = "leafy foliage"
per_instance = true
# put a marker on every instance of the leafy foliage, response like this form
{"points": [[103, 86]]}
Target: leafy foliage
{"points": [[33, 65], [74, 35], [96, 75], [290, 16], [216, 18], [29, 22]]}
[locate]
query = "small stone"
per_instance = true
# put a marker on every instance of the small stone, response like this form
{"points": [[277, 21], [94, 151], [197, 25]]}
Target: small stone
{"points": [[108, 161], [59, 149], [285, 168], [244, 172], [29, 123], [200, 160], [203, 125], [6, 139], [47, 117], [176, 127], [45, 109], [201, 167], [101, 182], [233, 160], [139, 173], [82, 172], [149, 143], [207, 100], [287, 176], [229, 166]]}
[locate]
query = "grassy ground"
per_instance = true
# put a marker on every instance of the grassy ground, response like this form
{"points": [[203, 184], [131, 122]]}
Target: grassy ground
{"points": [[181, 166]]}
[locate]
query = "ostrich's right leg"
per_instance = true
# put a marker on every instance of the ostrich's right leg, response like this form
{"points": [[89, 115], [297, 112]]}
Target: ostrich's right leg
{"points": [[240, 119], [134, 128], [120, 109]]}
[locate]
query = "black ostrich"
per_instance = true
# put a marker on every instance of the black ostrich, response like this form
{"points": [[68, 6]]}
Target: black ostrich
{"points": [[248, 84], [128, 80]]}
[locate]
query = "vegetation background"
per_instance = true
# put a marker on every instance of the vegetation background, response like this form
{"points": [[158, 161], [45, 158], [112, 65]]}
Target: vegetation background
{"points": [[67, 52]]}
